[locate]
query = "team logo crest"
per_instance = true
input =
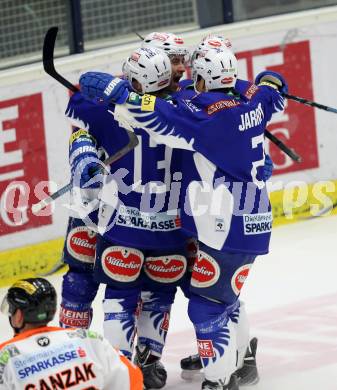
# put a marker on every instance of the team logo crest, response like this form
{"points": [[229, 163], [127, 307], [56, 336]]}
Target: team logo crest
{"points": [[206, 271], [122, 264], [240, 277], [81, 244], [165, 269]]}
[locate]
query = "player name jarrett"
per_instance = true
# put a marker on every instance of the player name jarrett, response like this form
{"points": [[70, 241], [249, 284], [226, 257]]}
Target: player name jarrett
{"points": [[251, 118]]}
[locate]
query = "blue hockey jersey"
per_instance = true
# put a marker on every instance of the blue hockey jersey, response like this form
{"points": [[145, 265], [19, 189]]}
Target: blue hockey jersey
{"points": [[225, 198], [136, 208]]}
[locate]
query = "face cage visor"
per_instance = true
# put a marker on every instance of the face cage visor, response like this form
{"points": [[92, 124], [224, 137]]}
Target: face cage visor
{"points": [[5, 308]]}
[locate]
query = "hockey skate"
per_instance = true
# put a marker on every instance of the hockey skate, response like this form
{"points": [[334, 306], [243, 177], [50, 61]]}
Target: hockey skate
{"points": [[154, 372], [247, 375], [232, 385]]}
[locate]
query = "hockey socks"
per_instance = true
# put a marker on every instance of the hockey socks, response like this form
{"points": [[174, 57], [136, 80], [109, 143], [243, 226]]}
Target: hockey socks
{"points": [[216, 338], [153, 321], [78, 291], [119, 318]]}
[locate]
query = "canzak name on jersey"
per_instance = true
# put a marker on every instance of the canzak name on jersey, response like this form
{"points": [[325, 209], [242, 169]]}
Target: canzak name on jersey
{"points": [[251, 118], [66, 378]]}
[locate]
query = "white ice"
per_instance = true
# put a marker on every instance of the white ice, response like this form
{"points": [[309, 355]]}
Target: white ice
{"points": [[291, 298]]}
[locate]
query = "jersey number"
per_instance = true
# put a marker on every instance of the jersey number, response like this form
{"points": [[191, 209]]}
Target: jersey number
{"points": [[259, 163]]}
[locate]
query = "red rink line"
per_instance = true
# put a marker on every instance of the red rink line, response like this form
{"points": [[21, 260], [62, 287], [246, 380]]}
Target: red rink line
{"points": [[292, 338]]}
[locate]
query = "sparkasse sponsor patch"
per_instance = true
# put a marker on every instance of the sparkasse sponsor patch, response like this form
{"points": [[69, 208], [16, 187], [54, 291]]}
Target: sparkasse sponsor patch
{"points": [[257, 223]]}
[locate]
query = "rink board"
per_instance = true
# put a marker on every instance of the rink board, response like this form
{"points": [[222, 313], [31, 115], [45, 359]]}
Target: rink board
{"points": [[34, 132]]}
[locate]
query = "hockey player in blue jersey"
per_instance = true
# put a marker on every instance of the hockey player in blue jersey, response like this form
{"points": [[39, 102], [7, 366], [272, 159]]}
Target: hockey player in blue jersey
{"points": [[247, 372], [225, 134], [160, 248]]}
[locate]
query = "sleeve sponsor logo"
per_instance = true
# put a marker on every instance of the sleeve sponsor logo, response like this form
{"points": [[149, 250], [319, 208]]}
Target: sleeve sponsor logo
{"points": [[157, 222], [251, 91], [206, 271], [81, 244], [221, 105], [205, 348], [239, 278], [166, 269], [257, 223], [121, 263]]}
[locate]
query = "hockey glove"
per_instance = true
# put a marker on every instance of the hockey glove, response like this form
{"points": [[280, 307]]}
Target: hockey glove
{"points": [[84, 162], [268, 168], [270, 77], [104, 87]]}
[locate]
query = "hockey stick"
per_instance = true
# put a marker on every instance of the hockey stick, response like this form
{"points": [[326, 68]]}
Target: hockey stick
{"points": [[48, 65], [310, 103], [293, 155]]}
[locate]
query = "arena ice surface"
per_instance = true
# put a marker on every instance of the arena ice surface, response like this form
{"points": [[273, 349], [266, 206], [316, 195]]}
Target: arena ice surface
{"points": [[291, 297]]}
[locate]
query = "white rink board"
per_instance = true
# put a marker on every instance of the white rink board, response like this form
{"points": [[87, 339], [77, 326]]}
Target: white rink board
{"points": [[318, 28]]}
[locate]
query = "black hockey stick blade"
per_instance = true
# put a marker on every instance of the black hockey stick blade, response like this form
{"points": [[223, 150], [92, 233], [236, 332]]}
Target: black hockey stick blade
{"points": [[133, 142], [310, 103], [48, 59], [293, 155]]}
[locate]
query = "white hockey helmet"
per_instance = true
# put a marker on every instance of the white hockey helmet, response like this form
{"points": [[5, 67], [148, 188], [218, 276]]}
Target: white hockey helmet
{"points": [[150, 66], [170, 43], [218, 67], [211, 41]]}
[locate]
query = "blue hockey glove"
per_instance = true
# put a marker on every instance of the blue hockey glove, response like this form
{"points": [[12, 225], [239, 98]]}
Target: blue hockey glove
{"points": [[84, 162], [274, 78], [102, 86], [268, 168]]}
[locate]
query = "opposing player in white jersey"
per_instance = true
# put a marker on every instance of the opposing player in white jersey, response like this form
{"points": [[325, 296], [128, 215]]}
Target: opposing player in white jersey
{"points": [[44, 357]]}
